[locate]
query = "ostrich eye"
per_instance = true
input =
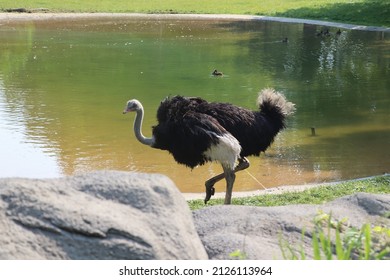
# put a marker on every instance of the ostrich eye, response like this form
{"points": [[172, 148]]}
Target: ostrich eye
{"points": [[132, 106]]}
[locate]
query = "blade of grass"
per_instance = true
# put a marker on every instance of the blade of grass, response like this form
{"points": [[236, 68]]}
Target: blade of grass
{"points": [[367, 241], [325, 244], [339, 247], [382, 254], [302, 251], [316, 247]]}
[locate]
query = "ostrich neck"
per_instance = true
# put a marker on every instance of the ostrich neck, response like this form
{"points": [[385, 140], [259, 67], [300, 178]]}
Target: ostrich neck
{"points": [[137, 129]]}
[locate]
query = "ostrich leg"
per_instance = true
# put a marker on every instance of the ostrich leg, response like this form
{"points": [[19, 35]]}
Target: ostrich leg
{"points": [[243, 163], [230, 176]]}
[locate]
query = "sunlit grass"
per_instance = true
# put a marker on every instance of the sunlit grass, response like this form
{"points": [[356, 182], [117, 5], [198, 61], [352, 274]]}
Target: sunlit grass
{"points": [[322, 194], [351, 11]]}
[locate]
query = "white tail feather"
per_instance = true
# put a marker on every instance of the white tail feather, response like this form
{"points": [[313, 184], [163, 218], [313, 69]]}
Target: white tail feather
{"points": [[271, 96]]}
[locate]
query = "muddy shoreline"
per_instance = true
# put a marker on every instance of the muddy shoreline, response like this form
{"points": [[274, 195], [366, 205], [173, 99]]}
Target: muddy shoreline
{"points": [[45, 16]]}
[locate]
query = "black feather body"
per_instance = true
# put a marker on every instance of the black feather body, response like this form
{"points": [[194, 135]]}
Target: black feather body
{"points": [[187, 127]]}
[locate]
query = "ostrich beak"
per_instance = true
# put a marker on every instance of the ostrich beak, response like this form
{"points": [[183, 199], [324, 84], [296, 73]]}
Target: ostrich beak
{"points": [[126, 110]]}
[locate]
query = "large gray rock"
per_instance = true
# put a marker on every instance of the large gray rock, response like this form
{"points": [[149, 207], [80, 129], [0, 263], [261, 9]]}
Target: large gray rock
{"points": [[102, 215], [120, 215], [256, 231]]}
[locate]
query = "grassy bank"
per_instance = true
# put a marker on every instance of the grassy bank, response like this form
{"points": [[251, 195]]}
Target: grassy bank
{"points": [[366, 12], [322, 194]]}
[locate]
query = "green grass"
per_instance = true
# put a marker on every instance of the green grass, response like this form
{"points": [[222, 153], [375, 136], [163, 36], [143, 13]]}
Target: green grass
{"points": [[367, 12], [322, 194]]}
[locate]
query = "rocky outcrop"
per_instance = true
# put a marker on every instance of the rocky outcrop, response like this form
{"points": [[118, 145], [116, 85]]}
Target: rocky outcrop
{"points": [[103, 215], [256, 231], [120, 215]]}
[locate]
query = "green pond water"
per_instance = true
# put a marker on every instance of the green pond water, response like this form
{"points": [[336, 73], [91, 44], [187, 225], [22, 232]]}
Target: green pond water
{"points": [[64, 84]]}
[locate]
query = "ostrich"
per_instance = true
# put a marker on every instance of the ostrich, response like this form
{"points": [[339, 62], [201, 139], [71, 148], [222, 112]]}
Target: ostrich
{"points": [[195, 131]]}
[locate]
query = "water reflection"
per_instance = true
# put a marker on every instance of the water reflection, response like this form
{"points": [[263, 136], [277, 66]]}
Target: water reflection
{"points": [[63, 86]]}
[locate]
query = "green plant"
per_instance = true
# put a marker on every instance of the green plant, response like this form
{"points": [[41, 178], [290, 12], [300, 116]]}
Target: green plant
{"points": [[335, 239], [238, 254], [288, 252]]}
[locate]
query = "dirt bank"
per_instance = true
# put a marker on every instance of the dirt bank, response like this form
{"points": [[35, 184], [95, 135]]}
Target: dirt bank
{"points": [[11, 17]]}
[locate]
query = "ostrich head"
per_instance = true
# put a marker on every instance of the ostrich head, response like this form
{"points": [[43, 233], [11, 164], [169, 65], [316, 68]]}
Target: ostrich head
{"points": [[132, 106]]}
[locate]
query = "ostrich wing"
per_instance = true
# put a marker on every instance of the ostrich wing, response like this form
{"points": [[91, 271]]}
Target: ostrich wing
{"points": [[173, 108], [188, 137]]}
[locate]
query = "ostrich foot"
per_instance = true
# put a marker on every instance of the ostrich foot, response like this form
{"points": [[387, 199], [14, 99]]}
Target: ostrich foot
{"points": [[243, 163], [210, 191]]}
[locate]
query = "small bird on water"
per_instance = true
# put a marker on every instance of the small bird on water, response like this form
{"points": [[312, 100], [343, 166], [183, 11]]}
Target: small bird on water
{"points": [[217, 73]]}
